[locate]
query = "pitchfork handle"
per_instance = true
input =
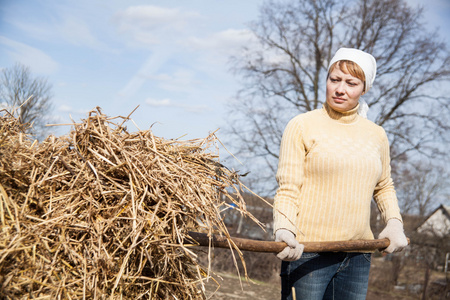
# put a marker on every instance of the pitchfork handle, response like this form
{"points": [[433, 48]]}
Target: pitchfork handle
{"points": [[202, 239]]}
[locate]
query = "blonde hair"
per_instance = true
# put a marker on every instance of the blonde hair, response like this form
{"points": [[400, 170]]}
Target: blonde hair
{"points": [[349, 67]]}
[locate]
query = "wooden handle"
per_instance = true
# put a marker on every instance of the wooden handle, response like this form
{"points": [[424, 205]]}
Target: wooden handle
{"points": [[202, 239]]}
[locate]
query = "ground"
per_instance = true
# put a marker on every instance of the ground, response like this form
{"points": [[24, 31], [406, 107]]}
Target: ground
{"points": [[233, 288], [379, 287], [230, 288]]}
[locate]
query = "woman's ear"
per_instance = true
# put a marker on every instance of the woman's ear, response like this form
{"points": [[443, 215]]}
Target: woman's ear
{"points": [[364, 90]]}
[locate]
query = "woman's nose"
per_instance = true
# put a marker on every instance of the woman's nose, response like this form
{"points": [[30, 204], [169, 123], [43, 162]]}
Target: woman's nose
{"points": [[340, 88]]}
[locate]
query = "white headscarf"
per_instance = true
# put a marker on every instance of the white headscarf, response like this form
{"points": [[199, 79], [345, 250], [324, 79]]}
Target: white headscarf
{"points": [[367, 63]]}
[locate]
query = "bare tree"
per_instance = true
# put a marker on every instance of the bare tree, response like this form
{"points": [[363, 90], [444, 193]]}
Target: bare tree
{"points": [[285, 75], [422, 187], [27, 96], [429, 249]]}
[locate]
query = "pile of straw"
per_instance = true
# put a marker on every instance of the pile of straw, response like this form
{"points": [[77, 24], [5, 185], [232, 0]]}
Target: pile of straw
{"points": [[104, 214]]}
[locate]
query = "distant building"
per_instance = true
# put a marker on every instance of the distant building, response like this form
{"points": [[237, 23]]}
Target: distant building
{"points": [[437, 223]]}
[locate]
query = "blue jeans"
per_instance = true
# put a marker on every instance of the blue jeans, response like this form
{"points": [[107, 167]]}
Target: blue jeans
{"points": [[326, 275]]}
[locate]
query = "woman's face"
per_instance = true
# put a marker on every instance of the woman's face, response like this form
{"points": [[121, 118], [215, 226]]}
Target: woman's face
{"points": [[343, 90]]}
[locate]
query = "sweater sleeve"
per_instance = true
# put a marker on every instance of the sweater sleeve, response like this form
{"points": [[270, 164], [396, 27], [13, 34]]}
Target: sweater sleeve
{"points": [[384, 193], [289, 176]]}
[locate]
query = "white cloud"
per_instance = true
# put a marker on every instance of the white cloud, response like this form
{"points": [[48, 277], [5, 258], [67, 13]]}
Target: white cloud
{"points": [[160, 77], [197, 109], [217, 48], [77, 32], [169, 103], [150, 66], [61, 23], [57, 119], [37, 60], [70, 110], [37, 31], [226, 41], [155, 102], [149, 25], [182, 80], [174, 35]]}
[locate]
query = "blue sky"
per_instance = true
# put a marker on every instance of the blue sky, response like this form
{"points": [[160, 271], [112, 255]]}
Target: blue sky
{"points": [[169, 57]]}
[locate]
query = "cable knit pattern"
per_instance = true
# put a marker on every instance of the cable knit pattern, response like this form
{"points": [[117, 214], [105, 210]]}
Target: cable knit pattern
{"points": [[331, 165]]}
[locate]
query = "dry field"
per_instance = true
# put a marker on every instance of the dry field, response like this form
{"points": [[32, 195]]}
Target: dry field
{"points": [[232, 288]]}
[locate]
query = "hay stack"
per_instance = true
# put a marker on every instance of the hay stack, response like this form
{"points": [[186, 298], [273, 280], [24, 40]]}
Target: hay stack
{"points": [[104, 214]]}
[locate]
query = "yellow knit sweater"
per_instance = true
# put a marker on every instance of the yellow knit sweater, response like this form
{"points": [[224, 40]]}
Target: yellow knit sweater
{"points": [[331, 165]]}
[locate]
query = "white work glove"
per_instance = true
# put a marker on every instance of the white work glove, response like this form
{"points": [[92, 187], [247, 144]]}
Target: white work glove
{"points": [[394, 232], [294, 249]]}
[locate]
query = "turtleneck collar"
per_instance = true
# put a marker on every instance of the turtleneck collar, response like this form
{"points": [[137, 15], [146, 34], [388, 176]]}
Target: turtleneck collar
{"points": [[347, 117]]}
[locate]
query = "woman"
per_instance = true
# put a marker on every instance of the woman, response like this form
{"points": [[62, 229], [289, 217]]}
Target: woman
{"points": [[333, 161]]}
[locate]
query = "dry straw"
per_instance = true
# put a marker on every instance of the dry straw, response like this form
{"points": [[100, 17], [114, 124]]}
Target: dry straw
{"points": [[104, 214]]}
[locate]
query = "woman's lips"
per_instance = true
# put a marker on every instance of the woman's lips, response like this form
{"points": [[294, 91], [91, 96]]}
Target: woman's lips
{"points": [[339, 100]]}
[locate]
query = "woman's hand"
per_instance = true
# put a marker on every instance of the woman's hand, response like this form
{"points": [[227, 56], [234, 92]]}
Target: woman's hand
{"points": [[394, 232], [294, 249]]}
